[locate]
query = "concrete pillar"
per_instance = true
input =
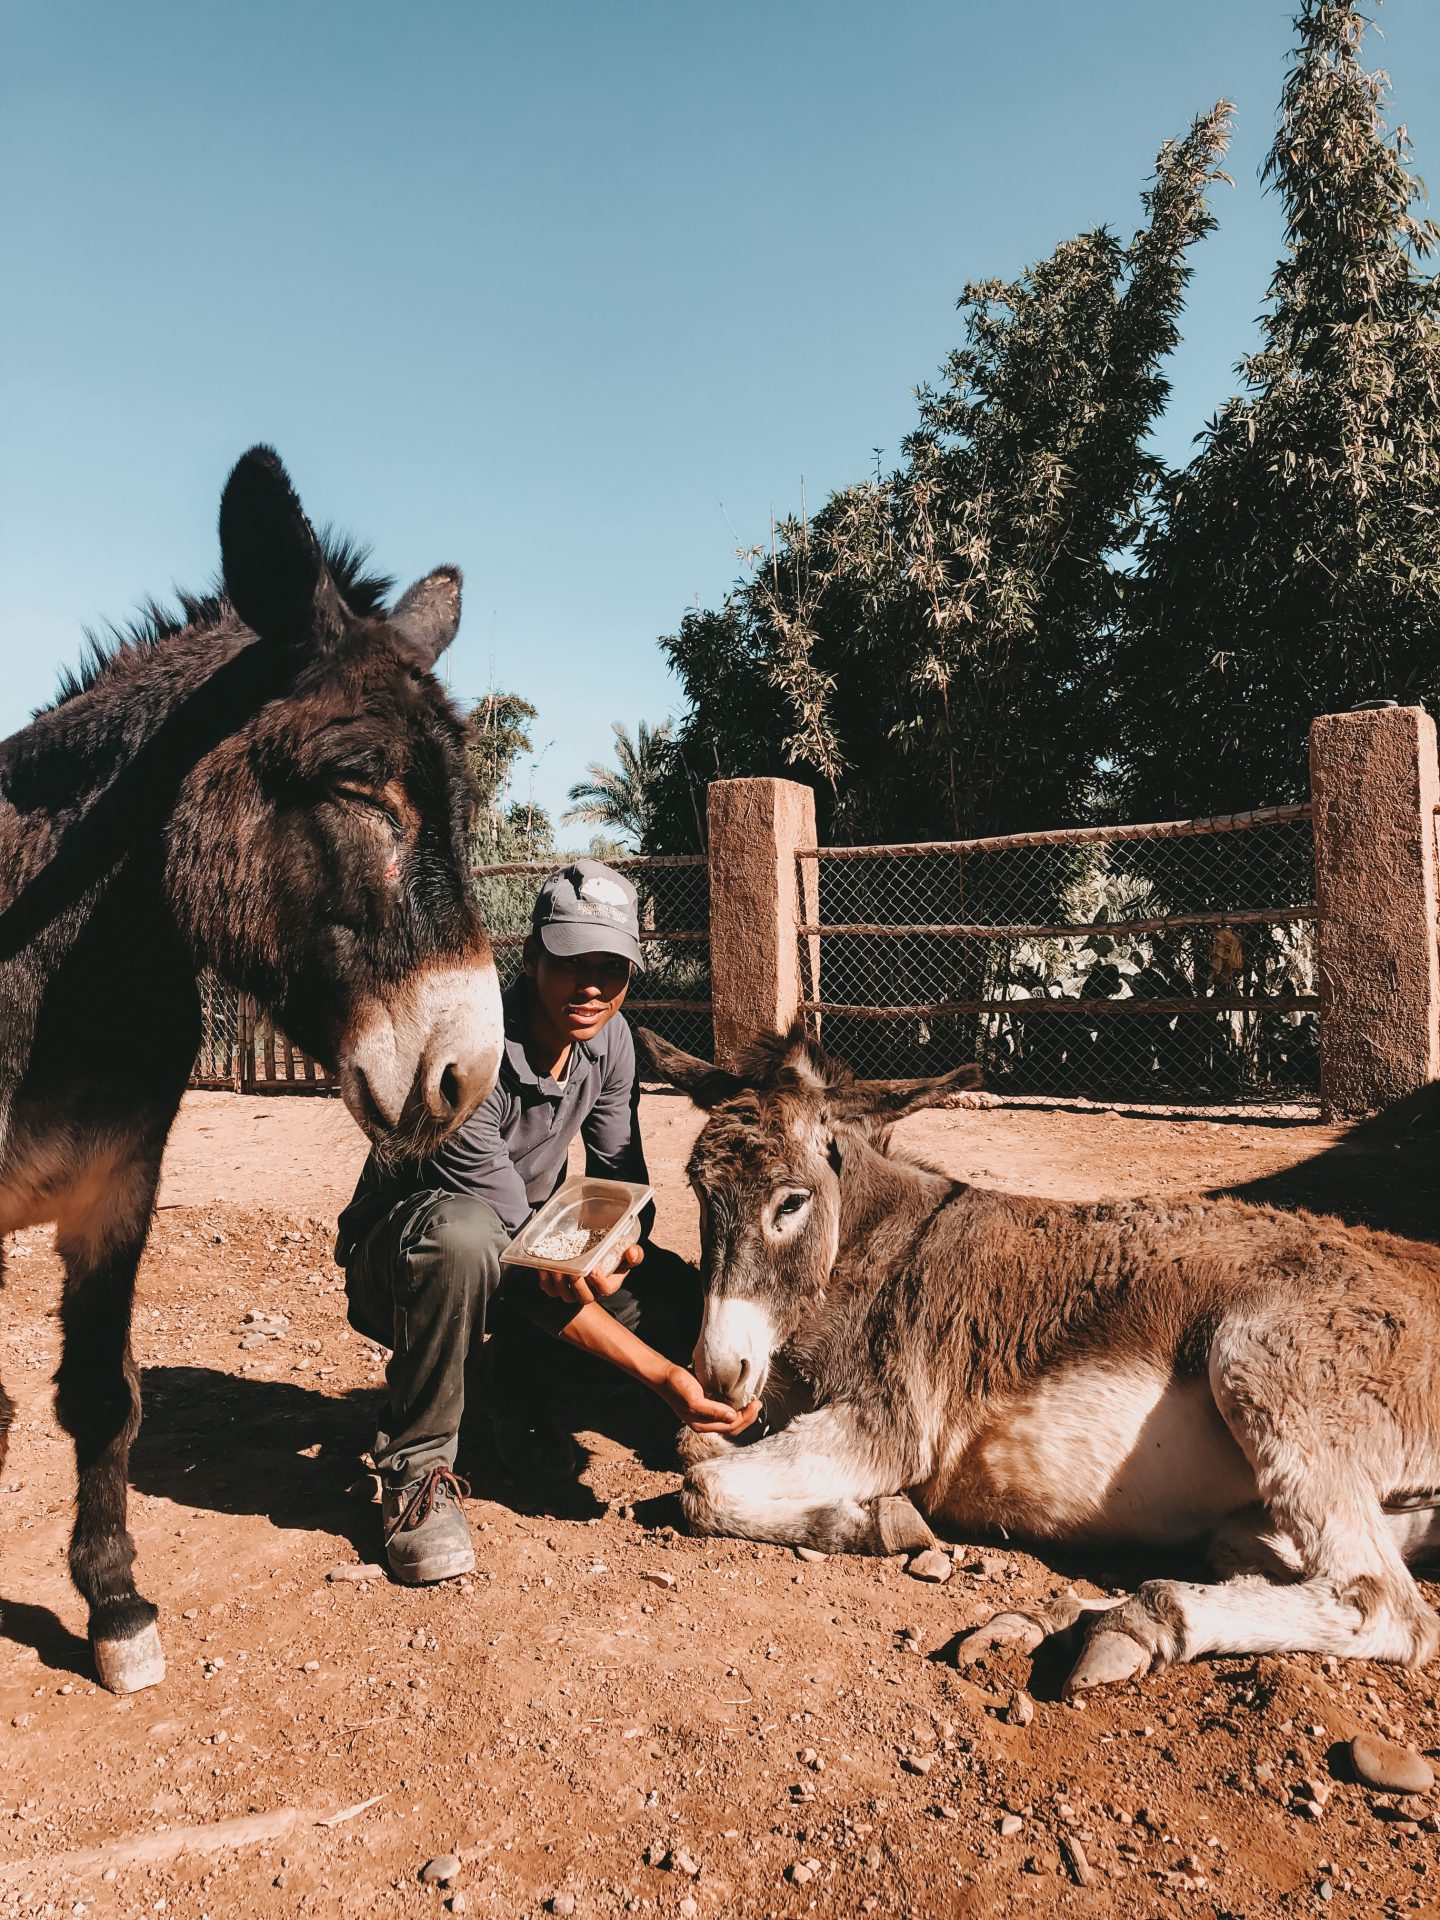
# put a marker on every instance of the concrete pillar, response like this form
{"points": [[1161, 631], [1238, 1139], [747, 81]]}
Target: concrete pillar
{"points": [[1374, 788], [756, 828]]}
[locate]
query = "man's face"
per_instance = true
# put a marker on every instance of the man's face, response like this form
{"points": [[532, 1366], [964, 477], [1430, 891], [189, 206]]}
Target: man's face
{"points": [[577, 994]]}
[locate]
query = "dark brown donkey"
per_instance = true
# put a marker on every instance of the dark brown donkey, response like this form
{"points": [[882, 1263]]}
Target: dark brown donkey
{"points": [[277, 790]]}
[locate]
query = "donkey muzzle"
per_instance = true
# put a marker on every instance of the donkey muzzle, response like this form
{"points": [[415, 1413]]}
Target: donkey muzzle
{"points": [[423, 1059], [732, 1355]]}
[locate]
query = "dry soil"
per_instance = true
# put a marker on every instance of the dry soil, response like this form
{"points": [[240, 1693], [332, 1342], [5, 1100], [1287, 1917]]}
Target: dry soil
{"points": [[612, 1717]]}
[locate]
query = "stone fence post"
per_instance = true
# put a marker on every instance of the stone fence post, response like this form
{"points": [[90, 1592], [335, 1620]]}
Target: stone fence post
{"points": [[1374, 787], [756, 828]]}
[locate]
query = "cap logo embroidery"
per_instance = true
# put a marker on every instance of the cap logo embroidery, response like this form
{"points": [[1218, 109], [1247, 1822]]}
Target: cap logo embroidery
{"points": [[601, 895]]}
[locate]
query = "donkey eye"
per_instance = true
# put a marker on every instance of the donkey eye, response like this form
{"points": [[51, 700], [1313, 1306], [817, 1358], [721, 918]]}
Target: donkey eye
{"points": [[792, 1203], [367, 797]]}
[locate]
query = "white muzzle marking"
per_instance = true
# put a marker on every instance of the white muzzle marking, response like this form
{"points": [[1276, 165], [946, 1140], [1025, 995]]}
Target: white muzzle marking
{"points": [[732, 1355], [440, 1036]]}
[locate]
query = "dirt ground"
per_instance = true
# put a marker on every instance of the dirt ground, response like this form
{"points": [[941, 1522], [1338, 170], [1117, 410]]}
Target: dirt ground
{"points": [[612, 1717]]}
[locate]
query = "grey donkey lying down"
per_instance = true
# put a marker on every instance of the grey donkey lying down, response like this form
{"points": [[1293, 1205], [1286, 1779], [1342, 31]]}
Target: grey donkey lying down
{"points": [[1260, 1384]]}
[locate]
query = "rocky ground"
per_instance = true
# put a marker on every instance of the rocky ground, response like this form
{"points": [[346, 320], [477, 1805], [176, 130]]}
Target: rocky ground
{"points": [[611, 1717]]}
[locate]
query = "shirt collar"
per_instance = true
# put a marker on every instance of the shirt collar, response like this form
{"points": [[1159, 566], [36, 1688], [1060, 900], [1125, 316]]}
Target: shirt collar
{"points": [[516, 1004]]}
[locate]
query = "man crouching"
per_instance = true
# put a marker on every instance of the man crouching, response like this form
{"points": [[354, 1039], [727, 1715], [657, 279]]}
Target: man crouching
{"points": [[421, 1243]]}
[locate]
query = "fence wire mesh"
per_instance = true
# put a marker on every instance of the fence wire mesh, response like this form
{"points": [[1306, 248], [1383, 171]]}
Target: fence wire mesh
{"points": [[242, 1049], [223, 1045], [672, 994], [1168, 963]]}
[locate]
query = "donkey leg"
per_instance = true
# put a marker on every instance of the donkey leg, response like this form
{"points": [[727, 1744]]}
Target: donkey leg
{"points": [[7, 1420], [1331, 1575], [7, 1405], [98, 1402], [823, 1482]]}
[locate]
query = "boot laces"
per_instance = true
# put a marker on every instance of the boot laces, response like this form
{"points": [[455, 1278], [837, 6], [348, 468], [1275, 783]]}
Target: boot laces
{"points": [[440, 1483]]}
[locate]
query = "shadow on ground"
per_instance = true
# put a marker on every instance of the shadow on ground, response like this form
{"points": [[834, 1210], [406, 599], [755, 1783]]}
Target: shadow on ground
{"points": [[1382, 1174], [62, 1651], [296, 1454]]}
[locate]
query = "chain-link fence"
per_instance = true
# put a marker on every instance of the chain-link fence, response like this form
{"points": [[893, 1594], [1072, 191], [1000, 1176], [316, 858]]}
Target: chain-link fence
{"points": [[242, 1049], [672, 994], [1169, 962], [224, 1051]]}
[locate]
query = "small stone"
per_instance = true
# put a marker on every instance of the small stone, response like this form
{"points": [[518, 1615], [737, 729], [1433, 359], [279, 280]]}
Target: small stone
{"points": [[1021, 1709], [563, 1904], [355, 1571], [440, 1871], [1077, 1860], [920, 1763], [1380, 1763], [1010, 1825], [679, 1861], [932, 1565], [458, 1903], [802, 1872], [658, 1579], [689, 1907]]}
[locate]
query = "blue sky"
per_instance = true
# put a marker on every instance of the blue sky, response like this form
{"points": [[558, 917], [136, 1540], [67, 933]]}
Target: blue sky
{"points": [[573, 294]]}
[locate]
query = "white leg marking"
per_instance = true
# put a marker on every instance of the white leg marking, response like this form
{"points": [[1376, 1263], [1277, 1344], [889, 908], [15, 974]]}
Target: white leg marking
{"points": [[816, 1474]]}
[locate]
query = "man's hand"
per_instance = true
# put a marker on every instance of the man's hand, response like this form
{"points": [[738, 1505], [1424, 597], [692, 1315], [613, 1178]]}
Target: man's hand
{"points": [[683, 1393], [595, 1286]]}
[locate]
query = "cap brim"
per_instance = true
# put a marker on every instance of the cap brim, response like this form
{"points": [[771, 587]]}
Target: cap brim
{"points": [[565, 939]]}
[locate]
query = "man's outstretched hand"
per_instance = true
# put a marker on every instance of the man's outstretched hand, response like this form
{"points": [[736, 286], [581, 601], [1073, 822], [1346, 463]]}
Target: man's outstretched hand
{"points": [[683, 1393], [595, 1286]]}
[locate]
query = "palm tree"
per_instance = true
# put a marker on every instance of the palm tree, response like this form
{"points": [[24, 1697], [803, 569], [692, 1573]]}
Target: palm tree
{"points": [[622, 796]]}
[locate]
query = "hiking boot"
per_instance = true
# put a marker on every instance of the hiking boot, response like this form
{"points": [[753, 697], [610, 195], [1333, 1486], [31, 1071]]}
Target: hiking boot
{"points": [[427, 1536], [531, 1444]]}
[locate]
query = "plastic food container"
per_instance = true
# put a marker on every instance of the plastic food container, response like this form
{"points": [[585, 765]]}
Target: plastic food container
{"points": [[581, 1228]]}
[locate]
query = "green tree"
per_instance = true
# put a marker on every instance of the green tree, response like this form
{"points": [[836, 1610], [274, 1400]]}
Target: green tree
{"points": [[932, 649], [623, 796], [505, 829], [1295, 566]]}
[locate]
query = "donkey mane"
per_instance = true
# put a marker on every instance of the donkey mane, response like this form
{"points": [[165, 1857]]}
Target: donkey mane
{"points": [[775, 1061], [112, 647]]}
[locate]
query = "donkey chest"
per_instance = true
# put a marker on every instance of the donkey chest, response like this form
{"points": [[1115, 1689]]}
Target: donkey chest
{"points": [[1103, 1453], [77, 1176]]}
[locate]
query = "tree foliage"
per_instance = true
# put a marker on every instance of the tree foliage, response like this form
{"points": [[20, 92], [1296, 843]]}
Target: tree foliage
{"points": [[623, 796], [1031, 620], [1294, 566], [930, 650], [505, 829]]}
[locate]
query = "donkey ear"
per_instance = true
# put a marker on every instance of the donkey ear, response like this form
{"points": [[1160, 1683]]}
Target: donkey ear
{"points": [[275, 574], [707, 1086], [885, 1100], [428, 614], [801, 1060]]}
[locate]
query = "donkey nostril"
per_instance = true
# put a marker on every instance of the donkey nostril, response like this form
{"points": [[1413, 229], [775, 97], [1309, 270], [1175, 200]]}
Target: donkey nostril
{"points": [[452, 1088]]}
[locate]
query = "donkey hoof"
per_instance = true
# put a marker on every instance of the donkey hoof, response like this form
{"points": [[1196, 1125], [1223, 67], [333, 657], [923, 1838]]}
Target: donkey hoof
{"points": [[1020, 1630], [1108, 1659], [899, 1525], [127, 1666]]}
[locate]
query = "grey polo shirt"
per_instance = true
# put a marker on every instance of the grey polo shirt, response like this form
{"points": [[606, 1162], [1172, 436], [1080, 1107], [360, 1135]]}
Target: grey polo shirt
{"points": [[513, 1149]]}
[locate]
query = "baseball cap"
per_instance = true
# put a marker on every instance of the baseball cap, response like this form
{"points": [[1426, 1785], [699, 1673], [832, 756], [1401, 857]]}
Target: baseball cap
{"points": [[587, 908]]}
